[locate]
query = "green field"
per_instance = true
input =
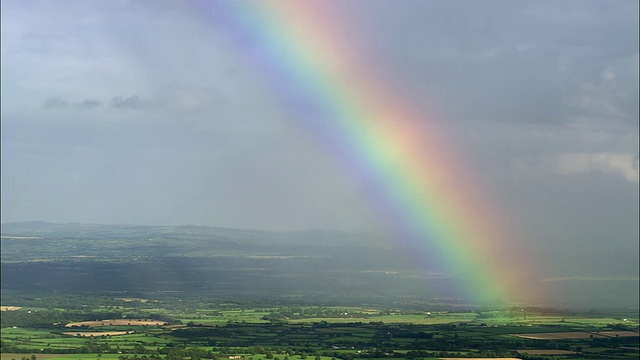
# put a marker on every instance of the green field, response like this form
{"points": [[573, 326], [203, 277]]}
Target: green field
{"points": [[203, 329]]}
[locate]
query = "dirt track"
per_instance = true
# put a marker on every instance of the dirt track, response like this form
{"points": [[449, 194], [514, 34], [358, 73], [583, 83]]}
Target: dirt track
{"points": [[576, 335], [118, 322], [97, 333]]}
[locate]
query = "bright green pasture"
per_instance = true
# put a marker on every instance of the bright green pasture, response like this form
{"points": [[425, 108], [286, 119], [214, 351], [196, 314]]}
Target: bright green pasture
{"points": [[36, 339], [40, 356], [220, 317], [24, 332], [426, 319], [223, 316], [599, 322], [40, 339], [568, 321], [349, 309], [446, 318]]}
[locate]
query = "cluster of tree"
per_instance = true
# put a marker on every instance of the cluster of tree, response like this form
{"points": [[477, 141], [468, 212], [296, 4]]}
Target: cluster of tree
{"points": [[620, 327], [413, 334], [139, 357], [32, 357], [59, 318], [191, 353], [33, 319], [69, 301]]}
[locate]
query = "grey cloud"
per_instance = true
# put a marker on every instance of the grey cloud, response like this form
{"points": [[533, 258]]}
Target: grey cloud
{"points": [[89, 104], [118, 102], [57, 102], [54, 103], [132, 102], [507, 61], [176, 98]]}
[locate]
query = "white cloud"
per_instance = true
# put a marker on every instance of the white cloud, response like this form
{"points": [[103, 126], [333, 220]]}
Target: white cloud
{"points": [[616, 93], [181, 98], [624, 165], [591, 278]]}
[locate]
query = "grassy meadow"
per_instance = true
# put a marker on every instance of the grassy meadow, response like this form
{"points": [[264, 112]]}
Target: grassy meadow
{"points": [[233, 331]]}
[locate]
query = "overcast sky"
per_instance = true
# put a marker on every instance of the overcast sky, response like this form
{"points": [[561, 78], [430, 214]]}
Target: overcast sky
{"points": [[146, 112]]}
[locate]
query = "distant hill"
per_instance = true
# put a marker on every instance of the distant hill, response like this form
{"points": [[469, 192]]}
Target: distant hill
{"points": [[235, 263], [98, 258], [190, 237], [40, 228], [25, 227]]}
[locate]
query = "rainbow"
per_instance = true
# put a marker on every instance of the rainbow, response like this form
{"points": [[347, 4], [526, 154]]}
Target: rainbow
{"points": [[401, 156]]}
